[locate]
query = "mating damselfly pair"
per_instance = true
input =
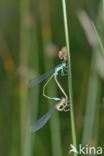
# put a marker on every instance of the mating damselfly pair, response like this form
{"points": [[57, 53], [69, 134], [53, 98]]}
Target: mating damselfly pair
{"points": [[61, 103]]}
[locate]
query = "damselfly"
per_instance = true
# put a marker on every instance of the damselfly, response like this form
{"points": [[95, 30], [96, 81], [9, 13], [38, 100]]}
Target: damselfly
{"points": [[44, 119], [61, 103]]}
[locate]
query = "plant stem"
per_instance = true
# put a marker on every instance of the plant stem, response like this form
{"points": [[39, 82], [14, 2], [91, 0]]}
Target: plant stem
{"points": [[69, 74], [23, 92], [98, 39]]}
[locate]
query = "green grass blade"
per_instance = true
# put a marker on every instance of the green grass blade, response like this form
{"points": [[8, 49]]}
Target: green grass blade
{"points": [[92, 100], [23, 94], [98, 39], [70, 74]]}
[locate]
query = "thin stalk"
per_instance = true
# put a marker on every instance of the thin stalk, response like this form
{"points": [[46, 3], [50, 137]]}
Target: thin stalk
{"points": [[98, 39], [92, 100], [103, 7], [69, 74], [34, 92], [24, 55]]}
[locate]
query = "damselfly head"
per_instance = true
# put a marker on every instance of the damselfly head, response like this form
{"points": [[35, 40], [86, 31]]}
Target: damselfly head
{"points": [[61, 104], [63, 54]]}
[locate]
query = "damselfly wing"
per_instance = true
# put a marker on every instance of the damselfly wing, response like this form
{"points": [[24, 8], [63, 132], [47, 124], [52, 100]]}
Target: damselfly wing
{"points": [[40, 78], [43, 120]]}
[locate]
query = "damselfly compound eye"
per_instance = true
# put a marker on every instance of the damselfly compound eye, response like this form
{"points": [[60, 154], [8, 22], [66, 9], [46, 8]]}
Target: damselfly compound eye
{"points": [[63, 54], [61, 105]]}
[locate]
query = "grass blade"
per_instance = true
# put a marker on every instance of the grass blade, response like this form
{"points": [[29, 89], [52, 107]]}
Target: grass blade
{"points": [[70, 74]]}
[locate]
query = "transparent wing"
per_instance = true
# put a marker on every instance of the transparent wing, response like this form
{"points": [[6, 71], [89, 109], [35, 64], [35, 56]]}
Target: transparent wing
{"points": [[39, 79], [43, 120], [42, 77]]}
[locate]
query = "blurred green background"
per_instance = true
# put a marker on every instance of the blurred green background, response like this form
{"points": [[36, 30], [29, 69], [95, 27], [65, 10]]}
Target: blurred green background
{"points": [[31, 34]]}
